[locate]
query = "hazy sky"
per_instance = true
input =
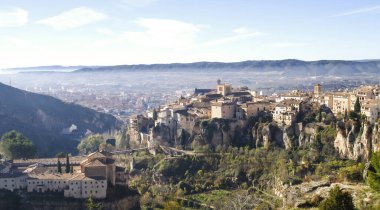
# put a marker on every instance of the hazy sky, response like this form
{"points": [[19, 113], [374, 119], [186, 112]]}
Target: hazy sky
{"points": [[108, 32]]}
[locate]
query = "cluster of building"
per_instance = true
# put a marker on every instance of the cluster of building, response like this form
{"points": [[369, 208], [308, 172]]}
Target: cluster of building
{"points": [[242, 103], [120, 101], [91, 176]]}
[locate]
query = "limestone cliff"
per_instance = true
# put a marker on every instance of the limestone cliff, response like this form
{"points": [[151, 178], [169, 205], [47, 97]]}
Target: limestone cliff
{"points": [[356, 141], [222, 132]]}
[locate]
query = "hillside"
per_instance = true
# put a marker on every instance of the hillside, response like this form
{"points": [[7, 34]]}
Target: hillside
{"points": [[43, 118], [287, 67]]}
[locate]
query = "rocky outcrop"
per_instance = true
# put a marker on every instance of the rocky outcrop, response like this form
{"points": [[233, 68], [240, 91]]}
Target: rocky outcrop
{"points": [[310, 194], [222, 132], [340, 142], [355, 141], [307, 134]]}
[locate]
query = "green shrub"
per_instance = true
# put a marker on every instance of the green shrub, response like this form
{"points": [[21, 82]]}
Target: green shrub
{"points": [[337, 200]]}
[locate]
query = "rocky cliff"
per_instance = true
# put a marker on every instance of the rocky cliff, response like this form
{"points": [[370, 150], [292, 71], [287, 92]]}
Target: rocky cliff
{"points": [[357, 140], [222, 132]]}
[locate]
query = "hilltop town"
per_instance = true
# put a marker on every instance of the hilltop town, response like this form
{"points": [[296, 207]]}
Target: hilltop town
{"points": [[241, 105], [207, 122]]}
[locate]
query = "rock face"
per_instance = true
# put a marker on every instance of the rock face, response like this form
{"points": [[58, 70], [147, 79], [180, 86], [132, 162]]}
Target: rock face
{"points": [[307, 134], [222, 132], [355, 141]]}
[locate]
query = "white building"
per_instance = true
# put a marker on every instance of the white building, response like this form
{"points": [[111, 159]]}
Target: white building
{"points": [[81, 186], [371, 109], [12, 181], [47, 182]]}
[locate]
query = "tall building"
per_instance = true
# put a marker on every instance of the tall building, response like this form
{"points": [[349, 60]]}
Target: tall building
{"points": [[224, 89], [317, 89]]}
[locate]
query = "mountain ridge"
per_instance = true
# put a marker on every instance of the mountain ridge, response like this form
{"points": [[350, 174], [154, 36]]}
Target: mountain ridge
{"points": [[289, 66], [42, 119]]}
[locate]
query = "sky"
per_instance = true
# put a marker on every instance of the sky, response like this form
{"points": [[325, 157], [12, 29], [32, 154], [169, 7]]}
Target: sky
{"points": [[114, 32]]}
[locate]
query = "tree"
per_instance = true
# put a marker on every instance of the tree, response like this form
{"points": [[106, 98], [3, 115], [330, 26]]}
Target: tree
{"points": [[353, 116], [91, 205], [106, 147], [90, 144], [172, 205], [345, 114], [155, 115], [337, 200], [60, 155], [373, 178], [14, 145], [357, 105], [67, 169], [59, 166]]}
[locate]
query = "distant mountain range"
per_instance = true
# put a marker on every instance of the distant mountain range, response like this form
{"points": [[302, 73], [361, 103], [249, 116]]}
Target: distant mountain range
{"points": [[54, 68], [287, 67], [47, 121]]}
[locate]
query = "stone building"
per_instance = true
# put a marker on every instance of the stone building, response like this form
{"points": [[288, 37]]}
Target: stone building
{"points": [[341, 103], [223, 110], [317, 89], [224, 89], [253, 108]]}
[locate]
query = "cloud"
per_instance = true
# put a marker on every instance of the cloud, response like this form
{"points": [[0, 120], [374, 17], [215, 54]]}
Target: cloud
{"points": [[358, 11], [230, 39], [15, 41], [137, 3], [164, 33], [286, 44], [73, 18], [241, 30], [104, 31], [13, 17]]}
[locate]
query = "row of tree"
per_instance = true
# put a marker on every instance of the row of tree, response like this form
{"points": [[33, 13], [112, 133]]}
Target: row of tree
{"points": [[68, 167]]}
